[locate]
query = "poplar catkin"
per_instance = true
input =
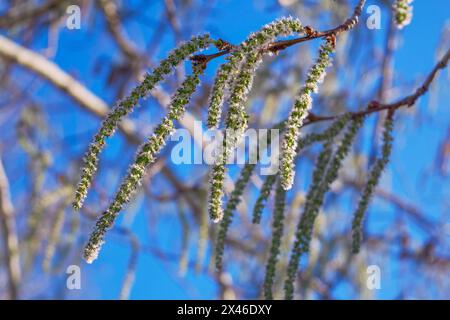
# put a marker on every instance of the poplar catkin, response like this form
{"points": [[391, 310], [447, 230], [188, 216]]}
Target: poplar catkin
{"points": [[332, 131], [299, 112], [277, 233], [126, 105], [325, 172], [240, 71], [241, 64], [262, 198], [145, 155], [372, 182], [235, 197], [402, 13]]}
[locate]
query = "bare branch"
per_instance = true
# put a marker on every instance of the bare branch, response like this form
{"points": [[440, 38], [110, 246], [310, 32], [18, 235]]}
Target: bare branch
{"points": [[11, 242]]}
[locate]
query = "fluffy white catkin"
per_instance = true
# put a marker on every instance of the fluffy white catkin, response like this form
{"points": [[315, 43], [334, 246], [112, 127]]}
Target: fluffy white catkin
{"points": [[299, 112]]}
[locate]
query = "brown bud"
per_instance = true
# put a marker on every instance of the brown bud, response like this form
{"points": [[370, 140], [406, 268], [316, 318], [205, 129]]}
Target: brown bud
{"points": [[199, 61], [373, 105], [309, 31]]}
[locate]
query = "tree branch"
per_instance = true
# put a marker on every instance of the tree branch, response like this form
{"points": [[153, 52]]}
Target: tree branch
{"points": [[14, 17], [83, 96], [58, 77], [408, 101], [283, 44], [9, 233]]}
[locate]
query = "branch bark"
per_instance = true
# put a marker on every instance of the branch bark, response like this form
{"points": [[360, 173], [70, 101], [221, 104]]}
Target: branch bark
{"points": [[407, 101], [9, 233], [283, 44], [15, 17], [58, 77]]}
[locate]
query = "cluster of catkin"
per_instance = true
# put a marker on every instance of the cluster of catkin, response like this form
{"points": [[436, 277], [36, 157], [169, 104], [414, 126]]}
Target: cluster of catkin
{"points": [[232, 84]]}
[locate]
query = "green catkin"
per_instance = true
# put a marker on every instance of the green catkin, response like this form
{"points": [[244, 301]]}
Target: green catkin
{"points": [[372, 182], [232, 203], [241, 70], [145, 155], [216, 178], [299, 112], [242, 62], [329, 133], [234, 200], [402, 13], [216, 182], [325, 172], [277, 233], [262, 198], [217, 96], [126, 105], [305, 141]]}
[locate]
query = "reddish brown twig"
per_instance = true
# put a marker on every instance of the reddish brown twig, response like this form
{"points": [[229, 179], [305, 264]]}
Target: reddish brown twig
{"points": [[283, 44], [375, 106]]}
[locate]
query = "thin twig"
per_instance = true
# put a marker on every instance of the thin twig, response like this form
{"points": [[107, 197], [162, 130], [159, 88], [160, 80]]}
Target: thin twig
{"points": [[283, 44], [15, 17], [408, 101]]}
